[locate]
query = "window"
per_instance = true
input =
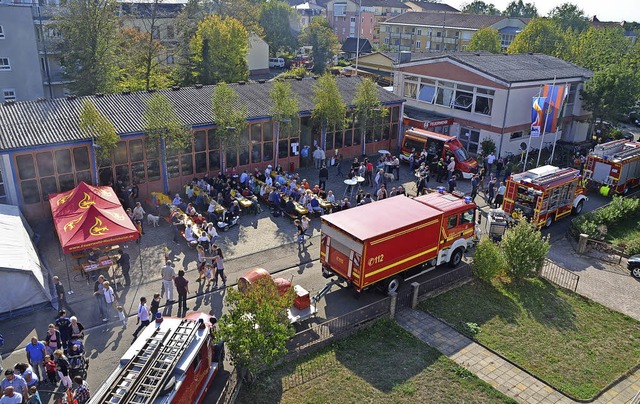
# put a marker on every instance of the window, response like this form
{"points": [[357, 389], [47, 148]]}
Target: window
{"points": [[417, 44], [339, 9], [353, 20], [457, 34], [410, 89], [4, 64], [170, 32], [1, 32], [516, 135], [437, 46], [464, 98], [419, 32], [9, 94], [438, 34], [571, 97], [444, 95], [386, 40], [452, 222], [427, 90]]}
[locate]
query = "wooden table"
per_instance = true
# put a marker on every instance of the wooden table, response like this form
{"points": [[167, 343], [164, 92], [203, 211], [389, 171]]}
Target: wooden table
{"points": [[103, 262]]}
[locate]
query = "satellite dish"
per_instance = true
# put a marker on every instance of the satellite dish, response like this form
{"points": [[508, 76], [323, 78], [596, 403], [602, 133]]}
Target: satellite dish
{"points": [[523, 146]]}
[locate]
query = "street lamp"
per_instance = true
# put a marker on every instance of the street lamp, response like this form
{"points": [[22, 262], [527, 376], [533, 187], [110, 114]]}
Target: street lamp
{"points": [[358, 38]]}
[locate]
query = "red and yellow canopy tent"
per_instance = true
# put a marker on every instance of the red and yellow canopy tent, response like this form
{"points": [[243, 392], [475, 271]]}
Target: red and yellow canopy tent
{"points": [[89, 217]]}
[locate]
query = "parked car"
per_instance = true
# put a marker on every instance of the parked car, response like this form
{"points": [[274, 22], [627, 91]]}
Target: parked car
{"points": [[633, 264]]}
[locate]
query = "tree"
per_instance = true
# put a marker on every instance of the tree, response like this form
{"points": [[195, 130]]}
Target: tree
{"points": [[230, 116], [324, 41], [274, 19], [487, 39], [161, 122], [569, 16], [284, 108], [256, 328], [135, 71], [94, 124], [88, 29], [368, 108], [541, 35], [328, 106], [597, 48], [219, 49], [520, 9], [612, 92], [488, 260], [480, 7], [246, 11], [524, 249], [186, 26]]}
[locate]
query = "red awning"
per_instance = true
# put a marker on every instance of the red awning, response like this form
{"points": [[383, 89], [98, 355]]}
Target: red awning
{"points": [[88, 217], [81, 198]]}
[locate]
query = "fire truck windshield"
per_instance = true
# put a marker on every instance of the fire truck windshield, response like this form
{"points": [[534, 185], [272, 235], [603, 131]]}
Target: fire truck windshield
{"points": [[461, 154]]}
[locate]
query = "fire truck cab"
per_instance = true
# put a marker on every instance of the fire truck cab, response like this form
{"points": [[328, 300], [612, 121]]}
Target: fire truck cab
{"points": [[441, 146], [614, 166], [544, 194]]}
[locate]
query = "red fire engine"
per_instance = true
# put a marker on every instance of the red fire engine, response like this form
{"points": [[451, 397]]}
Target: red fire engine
{"points": [[392, 240], [614, 166], [173, 361], [544, 194]]}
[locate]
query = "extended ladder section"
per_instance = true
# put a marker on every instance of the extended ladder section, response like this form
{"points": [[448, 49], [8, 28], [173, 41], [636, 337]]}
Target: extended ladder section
{"points": [[609, 149], [630, 151], [144, 377]]}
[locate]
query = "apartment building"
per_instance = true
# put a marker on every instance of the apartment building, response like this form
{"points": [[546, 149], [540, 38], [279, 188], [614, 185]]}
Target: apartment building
{"points": [[20, 76], [343, 17], [484, 95], [442, 31]]}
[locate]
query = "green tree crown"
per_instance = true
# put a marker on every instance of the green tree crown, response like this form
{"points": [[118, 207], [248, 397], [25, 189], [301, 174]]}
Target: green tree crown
{"points": [[368, 108], [229, 114], [328, 104], [480, 7], [274, 19], [161, 122], [94, 124], [285, 104], [541, 35], [487, 39], [324, 42]]}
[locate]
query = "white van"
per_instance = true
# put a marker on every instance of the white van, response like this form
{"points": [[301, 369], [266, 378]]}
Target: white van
{"points": [[276, 62]]}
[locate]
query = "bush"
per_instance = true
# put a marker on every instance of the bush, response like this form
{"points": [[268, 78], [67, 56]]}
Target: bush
{"points": [[488, 146], [488, 260], [524, 249], [293, 73], [596, 224], [633, 247]]}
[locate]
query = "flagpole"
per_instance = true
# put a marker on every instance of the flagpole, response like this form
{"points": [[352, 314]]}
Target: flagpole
{"points": [[555, 137], [544, 127], [526, 156]]}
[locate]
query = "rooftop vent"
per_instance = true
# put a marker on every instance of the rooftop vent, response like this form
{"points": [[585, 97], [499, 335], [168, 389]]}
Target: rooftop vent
{"points": [[315, 77], [9, 102], [299, 78], [175, 88], [241, 83], [477, 54], [41, 99], [71, 97], [151, 90], [262, 81], [99, 95], [198, 85]]}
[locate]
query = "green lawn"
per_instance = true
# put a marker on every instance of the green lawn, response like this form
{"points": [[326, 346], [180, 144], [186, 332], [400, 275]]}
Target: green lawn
{"points": [[574, 344], [625, 231], [382, 364]]}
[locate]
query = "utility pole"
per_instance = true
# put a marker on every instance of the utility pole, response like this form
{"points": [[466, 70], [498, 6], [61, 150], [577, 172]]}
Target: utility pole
{"points": [[358, 33]]}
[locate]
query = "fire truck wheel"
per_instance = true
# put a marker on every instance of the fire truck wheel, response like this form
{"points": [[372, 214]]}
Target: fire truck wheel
{"points": [[549, 221], [456, 258], [393, 284], [578, 209]]}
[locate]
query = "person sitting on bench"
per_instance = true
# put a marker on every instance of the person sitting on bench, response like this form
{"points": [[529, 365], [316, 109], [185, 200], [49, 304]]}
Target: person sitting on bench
{"points": [[290, 207]]}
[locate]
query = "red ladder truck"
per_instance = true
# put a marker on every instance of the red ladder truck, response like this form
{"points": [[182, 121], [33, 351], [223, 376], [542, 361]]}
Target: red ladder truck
{"points": [[614, 167], [544, 194]]}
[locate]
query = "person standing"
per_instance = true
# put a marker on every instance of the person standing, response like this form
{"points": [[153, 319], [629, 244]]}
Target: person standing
{"points": [[109, 298], [62, 365], [451, 167], [155, 305], [81, 393], [452, 183], [63, 324], [441, 169], [138, 215], [52, 340], [59, 291], [143, 316], [323, 176], [77, 329], [474, 187], [491, 191], [339, 164], [218, 261], [491, 158], [35, 356], [168, 278], [182, 286], [500, 195], [176, 222], [317, 157], [98, 292], [125, 266]]}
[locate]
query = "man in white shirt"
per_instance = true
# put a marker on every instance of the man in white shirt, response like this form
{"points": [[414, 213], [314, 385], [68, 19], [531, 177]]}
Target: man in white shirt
{"points": [[168, 275], [143, 316], [138, 214], [11, 397], [451, 167], [491, 158]]}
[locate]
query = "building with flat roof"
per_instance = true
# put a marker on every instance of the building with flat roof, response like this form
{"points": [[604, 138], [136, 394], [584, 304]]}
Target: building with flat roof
{"points": [[43, 150]]}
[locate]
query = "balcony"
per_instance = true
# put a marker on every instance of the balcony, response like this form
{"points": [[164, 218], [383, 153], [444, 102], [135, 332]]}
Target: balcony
{"points": [[57, 79]]}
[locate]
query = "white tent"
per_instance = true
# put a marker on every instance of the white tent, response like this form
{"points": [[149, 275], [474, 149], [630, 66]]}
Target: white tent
{"points": [[23, 278]]}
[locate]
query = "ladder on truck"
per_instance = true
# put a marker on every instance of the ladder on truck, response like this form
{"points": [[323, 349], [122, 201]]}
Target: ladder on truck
{"points": [[609, 148], [627, 152], [560, 174], [144, 376]]}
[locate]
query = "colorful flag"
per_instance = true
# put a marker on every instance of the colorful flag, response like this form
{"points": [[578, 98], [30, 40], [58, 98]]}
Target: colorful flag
{"points": [[554, 97], [538, 115]]}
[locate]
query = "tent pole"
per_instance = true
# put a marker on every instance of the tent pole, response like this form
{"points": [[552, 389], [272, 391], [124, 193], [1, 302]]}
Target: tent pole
{"points": [[66, 264], [140, 258]]}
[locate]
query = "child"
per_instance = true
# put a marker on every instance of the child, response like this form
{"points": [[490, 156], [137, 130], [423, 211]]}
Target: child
{"points": [[138, 225], [155, 305], [208, 269], [50, 367], [122, 316], [34, 396]]}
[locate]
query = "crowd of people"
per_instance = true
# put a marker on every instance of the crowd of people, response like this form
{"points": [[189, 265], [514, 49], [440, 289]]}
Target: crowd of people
{"points": [[56, 360]]}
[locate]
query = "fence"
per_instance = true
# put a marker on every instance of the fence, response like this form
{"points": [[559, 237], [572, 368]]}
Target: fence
{"points": [[463, 272], [560, 276]]}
